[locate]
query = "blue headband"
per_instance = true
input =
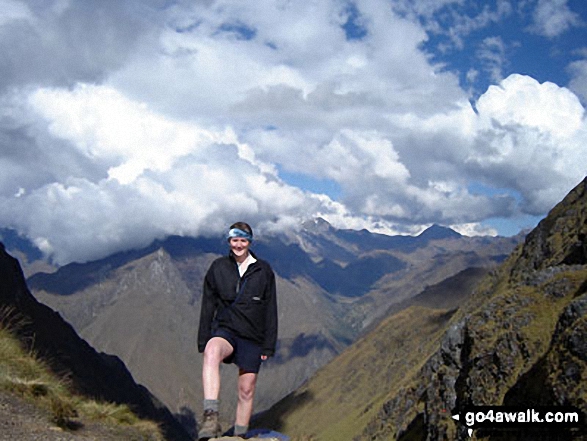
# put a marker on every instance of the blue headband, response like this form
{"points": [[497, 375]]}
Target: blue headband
{"points": [[237, 232]]}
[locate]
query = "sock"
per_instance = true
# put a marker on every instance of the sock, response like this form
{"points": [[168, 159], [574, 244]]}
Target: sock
{"points": [[240, 430], [211, 405]]}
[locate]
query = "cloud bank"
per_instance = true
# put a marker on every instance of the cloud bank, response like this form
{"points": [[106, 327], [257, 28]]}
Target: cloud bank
{"points": [[121, 124]]}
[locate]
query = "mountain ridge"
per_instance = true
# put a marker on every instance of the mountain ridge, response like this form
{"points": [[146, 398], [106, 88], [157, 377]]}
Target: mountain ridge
{"points": [[517, 340]]}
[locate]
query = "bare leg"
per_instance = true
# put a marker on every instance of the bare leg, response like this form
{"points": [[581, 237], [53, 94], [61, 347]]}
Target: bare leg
{"points": [[217, 349], [246, 392]]}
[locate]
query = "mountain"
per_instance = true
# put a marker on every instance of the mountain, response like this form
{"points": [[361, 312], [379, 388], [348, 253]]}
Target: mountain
{"points": [[517, 340], [436, 232], [97, 375], [448, 294], [333, 285]]}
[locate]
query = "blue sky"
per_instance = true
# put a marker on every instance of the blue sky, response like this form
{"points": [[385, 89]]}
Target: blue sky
{"points": [[512, 42], [122, 122]]}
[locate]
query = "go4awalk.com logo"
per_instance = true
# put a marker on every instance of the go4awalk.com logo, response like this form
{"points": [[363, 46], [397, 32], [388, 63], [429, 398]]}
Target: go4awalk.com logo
{"points": [[507, 417]]}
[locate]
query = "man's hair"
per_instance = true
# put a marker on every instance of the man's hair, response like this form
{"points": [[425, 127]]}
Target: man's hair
{"points": [[242, 226]]}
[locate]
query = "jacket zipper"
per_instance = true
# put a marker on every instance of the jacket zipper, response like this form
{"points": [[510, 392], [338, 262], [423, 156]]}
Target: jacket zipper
{"points": [[240, 285]]}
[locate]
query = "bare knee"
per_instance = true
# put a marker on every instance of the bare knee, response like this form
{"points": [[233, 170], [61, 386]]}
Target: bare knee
{"points": [[246, 390], [246, 393], [211, 355], [216, 351]]}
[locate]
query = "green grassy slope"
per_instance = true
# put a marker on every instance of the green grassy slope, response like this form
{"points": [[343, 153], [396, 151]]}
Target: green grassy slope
{"points": [[24, 375]]}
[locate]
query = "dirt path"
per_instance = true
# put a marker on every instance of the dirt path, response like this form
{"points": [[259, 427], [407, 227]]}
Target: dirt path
{"points": [[20, 420]]}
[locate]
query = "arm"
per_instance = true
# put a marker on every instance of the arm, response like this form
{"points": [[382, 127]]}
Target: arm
{"points": [[270, 319], [207, 311]]}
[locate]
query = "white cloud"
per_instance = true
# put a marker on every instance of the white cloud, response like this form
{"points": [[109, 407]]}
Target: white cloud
{"points": [[186, 122], [553, 17], [533, 138], [522, 100], [159, 177], [14, 10], [28, 157], [59, 42], [578, 83], [107, 126], [474, 229], [299, 60], [492, 54], [455, 19]]}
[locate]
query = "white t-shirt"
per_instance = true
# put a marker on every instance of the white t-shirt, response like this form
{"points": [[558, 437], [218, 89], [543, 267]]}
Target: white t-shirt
{"points": [[242, 267]]}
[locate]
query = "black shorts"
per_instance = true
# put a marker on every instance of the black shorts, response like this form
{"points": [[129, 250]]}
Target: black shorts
{"points": [[246, 354]]}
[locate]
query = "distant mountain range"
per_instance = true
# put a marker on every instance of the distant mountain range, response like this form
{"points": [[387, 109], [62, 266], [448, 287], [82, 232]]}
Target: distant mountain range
{"points": [[333, 286], [517, 340]]}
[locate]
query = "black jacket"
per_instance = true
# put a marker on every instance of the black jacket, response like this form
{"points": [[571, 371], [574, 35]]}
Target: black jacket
{"points": [[246, 306]]}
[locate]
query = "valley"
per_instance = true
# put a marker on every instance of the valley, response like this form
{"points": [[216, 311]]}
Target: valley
{"points": [[333, 286]]}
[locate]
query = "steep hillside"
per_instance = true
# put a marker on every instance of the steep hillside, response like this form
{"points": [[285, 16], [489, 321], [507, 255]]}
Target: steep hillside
{"points": [[519, 340], [90, 373], [37, 404], [448, 294], [351, 384], [345, 395]]}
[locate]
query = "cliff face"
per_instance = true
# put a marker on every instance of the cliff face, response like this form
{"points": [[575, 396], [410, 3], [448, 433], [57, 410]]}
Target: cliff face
{"points": [[520, 340], [93, 374]]}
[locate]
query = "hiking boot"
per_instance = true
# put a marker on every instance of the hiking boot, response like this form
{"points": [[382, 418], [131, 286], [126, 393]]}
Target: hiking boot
{"points": [[210, 427]]}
